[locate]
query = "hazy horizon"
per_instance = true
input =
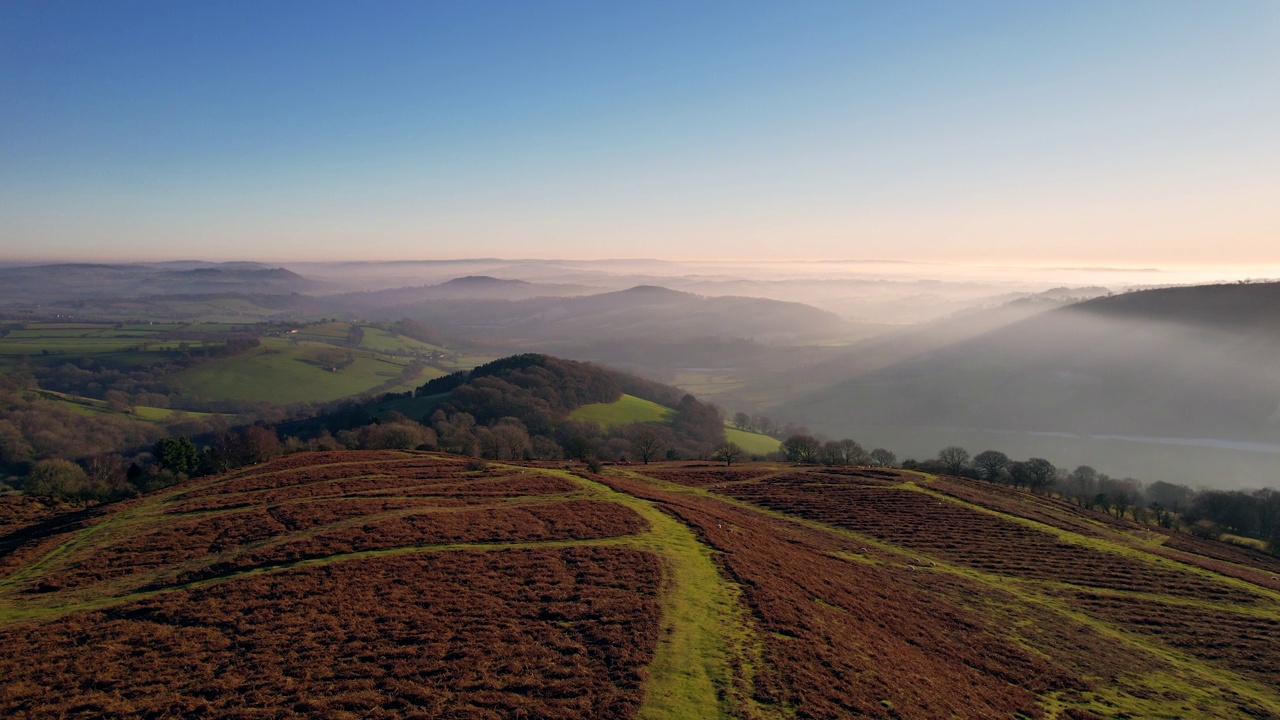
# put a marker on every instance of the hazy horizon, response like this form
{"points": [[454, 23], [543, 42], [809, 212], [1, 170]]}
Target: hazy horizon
{"points": [[1022, 276]]}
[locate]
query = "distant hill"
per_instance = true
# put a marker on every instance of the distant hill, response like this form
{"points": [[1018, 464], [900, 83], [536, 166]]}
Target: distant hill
{"points": [[481, 281], [536, 399], [470, 288], [26, 285], [1115, 377], [640, 313], [402, 583], [544, 392], [797, 373], [1248, 305]]}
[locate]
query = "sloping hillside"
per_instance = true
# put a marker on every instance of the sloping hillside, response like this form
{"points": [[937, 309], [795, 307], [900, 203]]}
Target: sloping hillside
{"points": [[470, 287], [631, 409], [1110, 378], [645, 312], [386, 584]]}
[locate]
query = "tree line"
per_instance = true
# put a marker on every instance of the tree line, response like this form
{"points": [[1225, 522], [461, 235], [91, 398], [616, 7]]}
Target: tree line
{"points": [[805, 448], [764, 425], [109, 476], [1207, 513]]}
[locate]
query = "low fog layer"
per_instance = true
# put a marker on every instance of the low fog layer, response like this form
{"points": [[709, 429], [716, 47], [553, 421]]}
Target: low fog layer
{"points": [[869, 292], [863, 292], [1176, 384]]}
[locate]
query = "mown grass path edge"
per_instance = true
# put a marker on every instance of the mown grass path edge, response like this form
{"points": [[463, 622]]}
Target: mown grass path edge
{"points": [[709, 645]]}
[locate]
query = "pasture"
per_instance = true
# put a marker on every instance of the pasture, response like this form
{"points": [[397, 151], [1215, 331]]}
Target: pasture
{"points": [[90, 407], [49, 343], [631, 409], [281, 371]]}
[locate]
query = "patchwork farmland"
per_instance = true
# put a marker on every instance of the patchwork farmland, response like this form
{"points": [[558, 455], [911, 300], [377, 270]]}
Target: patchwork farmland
{"points": [[415, 584]]}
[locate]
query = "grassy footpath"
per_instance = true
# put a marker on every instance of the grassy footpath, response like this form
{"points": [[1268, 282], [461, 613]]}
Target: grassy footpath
{"points": [[706, 628], [1182, 679], [702, 664]]}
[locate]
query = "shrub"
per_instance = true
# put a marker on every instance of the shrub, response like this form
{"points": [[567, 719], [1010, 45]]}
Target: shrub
{"points": [[57, 479], [1207, 529], [155, 478], [65, 480]]}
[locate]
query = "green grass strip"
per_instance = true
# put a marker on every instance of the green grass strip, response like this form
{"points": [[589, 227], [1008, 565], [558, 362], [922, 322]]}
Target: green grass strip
{"points": [[1194, 678], [707, 630]]}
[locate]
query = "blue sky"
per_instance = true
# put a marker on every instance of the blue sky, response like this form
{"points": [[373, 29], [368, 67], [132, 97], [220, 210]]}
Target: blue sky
{"points": [[1117, 133]]}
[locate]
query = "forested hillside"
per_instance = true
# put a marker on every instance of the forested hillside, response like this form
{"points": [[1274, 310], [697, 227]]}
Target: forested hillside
{"points": [[536, 394]]}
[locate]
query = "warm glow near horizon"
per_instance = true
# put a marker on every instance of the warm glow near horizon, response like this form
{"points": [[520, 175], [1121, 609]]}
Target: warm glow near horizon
{"points": [[1097, 134]]}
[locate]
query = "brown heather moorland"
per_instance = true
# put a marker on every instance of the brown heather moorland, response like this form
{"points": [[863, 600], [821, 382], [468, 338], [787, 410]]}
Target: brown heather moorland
{"points": [[531, 633], [402, 584]]}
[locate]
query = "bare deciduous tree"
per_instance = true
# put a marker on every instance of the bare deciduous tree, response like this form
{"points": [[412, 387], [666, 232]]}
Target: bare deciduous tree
{"points": [[992, 463], [953, 459], [646, 445], [728, 452], [883, 457]]}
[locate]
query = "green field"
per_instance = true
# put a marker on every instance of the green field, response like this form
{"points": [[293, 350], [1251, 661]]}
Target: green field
{"points": [[57, 343], [90, 407], [754, 443], [281, 371], [465, 362], [309, 364], [380, 340], [53, 343], [211, 327], [372, 338], [76, 346], [227, 310], [631, 409], [324, 332]]}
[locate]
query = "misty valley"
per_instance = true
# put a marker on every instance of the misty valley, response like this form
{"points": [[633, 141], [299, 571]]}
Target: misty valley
{"points": [[1173, 384]]}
